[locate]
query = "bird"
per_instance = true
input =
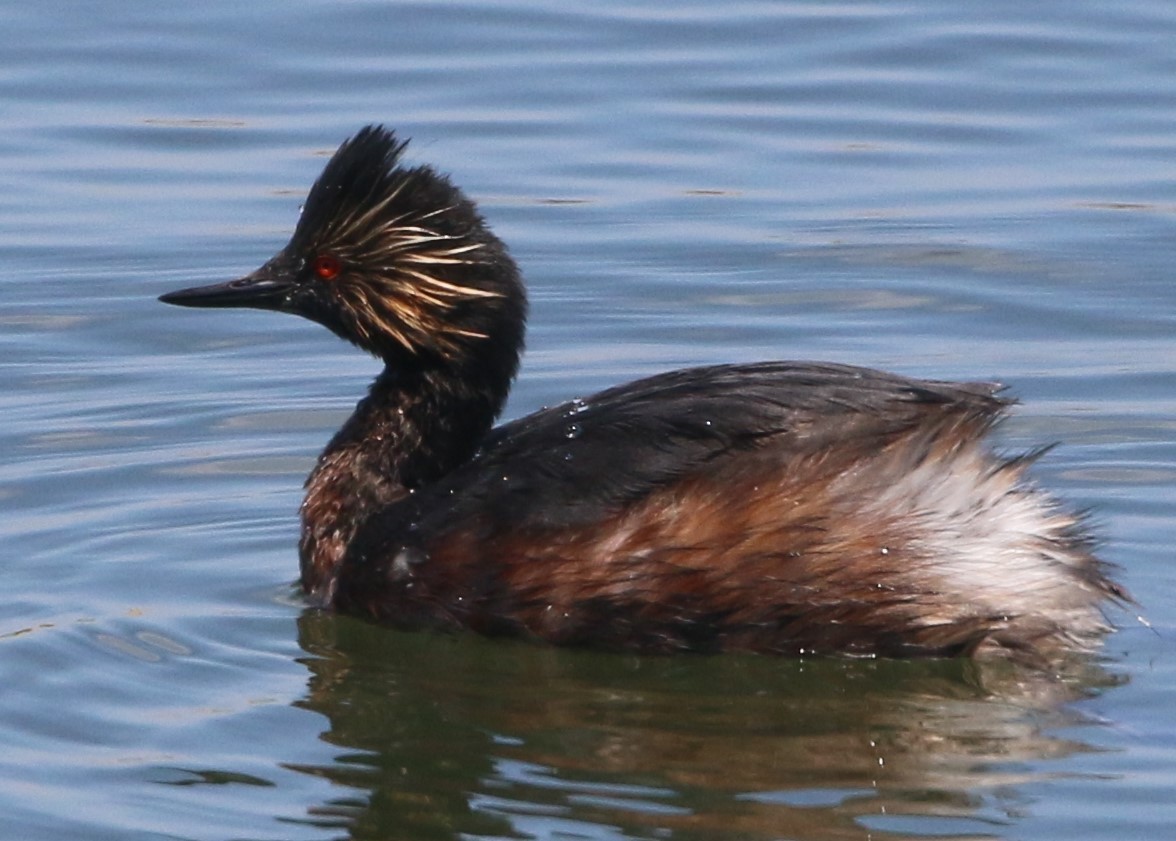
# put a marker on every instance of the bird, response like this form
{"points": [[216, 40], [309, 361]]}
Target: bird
{"points": [[784, 507]]}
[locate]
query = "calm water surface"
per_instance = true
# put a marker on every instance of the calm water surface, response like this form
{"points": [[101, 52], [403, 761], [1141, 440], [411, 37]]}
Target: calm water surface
{"points": [[945, 189]]}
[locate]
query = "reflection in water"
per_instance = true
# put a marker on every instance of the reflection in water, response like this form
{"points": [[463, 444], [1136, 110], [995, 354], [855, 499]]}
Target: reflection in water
{"points": [[446, 737]]}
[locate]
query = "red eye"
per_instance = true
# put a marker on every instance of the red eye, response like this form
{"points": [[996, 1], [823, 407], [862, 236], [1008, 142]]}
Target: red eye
{"points": [[327, 266]]}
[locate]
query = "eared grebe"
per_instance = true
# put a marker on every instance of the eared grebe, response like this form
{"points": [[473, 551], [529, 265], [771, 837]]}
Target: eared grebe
{"points": [[787, 507]]}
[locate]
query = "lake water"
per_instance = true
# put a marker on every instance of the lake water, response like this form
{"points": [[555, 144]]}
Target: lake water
{"points": [[945, 189]]}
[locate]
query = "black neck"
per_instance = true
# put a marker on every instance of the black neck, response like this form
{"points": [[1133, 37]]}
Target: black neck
{"points": [[414, 428], [411, 430]]}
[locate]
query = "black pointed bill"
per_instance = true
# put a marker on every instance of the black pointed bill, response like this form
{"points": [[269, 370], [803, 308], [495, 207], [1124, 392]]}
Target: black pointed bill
{"points": [[264, 289]]}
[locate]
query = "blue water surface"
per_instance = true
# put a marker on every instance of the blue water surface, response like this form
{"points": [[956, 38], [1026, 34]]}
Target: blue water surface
{"points": [[952, 190]]}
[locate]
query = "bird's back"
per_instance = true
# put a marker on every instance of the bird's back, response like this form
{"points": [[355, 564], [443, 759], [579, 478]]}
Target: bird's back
{"points": [[775, 507]]}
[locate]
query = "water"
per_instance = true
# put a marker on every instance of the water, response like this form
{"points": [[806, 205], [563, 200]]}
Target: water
{"points": [[961, 191]]}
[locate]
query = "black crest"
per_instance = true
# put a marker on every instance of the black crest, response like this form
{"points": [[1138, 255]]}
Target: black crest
{"points": [[362, 174]]}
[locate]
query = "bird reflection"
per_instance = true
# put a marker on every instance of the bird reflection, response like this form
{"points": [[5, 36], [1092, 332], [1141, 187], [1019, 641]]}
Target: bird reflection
{"points": [[458, 737]]}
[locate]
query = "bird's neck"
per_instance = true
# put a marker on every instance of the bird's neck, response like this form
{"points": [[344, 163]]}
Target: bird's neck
{"points": [[409, 431]]}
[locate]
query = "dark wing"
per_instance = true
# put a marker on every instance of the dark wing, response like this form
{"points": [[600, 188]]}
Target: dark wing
{"points": [[577, 463]]}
